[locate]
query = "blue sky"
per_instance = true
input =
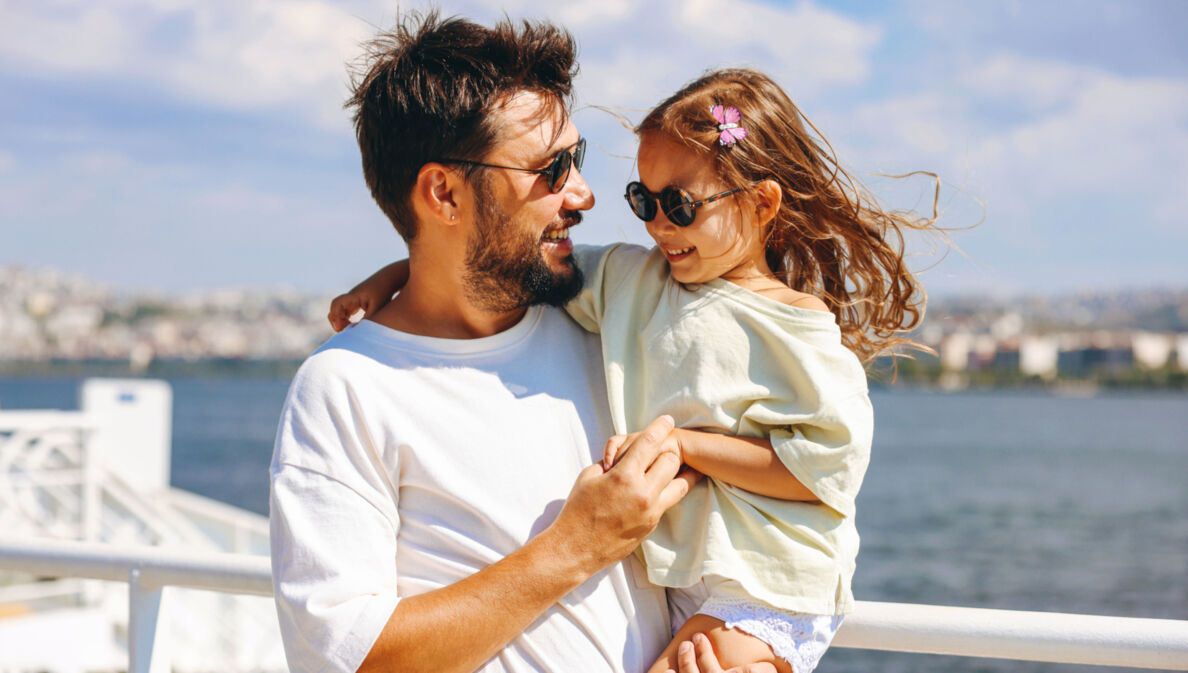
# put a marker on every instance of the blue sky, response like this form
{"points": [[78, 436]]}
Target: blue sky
{"points": [[191, 144]]}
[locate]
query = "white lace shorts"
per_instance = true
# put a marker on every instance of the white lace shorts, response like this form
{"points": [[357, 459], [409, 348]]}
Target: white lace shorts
{"points": [[799, 638]]}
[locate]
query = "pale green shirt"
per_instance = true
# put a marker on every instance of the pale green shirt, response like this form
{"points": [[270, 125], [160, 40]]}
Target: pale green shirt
{"points": [[719, 357]]}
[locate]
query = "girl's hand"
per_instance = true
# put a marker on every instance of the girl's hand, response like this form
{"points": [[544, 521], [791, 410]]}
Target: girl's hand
{"points": [[344, 306], [369, 296], [614, 451]]}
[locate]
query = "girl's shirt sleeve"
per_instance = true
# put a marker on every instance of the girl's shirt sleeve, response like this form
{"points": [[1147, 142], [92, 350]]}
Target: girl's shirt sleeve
{"points": [[816, 409], [597, 266], [829, 451]]}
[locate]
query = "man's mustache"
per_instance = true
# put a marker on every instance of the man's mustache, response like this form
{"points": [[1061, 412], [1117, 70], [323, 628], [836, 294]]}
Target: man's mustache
{"points": [[571, 218]]}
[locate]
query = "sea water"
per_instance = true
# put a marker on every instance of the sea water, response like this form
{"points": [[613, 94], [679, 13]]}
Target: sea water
{"points": [[1002, 499]]}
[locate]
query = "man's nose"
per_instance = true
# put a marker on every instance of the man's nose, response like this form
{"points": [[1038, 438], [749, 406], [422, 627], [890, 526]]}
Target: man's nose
{"points": [[578, 195]]}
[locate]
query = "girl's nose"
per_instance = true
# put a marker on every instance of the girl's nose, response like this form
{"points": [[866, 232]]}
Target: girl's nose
{"points": [[660, 226]]}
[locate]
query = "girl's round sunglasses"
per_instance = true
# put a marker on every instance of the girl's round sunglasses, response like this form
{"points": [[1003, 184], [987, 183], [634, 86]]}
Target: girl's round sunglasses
{"points": [[557, 172], [677, 205]]}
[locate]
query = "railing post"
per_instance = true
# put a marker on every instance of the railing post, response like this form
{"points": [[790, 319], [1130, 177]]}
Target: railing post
{"points": [[144, 611]]}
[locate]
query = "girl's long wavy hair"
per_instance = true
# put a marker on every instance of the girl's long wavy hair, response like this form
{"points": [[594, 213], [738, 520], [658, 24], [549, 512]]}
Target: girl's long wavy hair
{"points": [[830, 237]]}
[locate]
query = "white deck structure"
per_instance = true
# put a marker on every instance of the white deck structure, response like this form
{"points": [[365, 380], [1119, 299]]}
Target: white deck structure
{"points": [[91, 534], [100, 477]]}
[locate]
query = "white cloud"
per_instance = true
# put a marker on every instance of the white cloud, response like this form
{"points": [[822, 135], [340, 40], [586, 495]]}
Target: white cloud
{"points": [[649, 52], [1068, 133], [580, 15], [1113, 137], [242, 54], [97, 163], [604, 79], [251, 54], [806, 42], [140, 223], [68, 36], [240, 200], [895, 132], [1028, 83]]}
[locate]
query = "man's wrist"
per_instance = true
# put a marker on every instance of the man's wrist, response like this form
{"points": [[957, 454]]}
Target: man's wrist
{"points": [[554, 548]]}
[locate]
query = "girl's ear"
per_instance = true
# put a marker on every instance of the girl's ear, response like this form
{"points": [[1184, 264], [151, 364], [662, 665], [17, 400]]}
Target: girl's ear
{"points": [[435, 194], [768, 197]]}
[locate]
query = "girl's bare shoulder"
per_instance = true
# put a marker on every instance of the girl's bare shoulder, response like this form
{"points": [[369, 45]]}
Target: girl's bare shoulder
{"points": [[786, 295]]}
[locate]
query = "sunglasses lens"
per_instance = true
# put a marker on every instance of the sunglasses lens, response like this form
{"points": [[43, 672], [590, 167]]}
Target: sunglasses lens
{"points": [[678, 206], [642, 204], [566, 159], [579, 153], [559, 171]]}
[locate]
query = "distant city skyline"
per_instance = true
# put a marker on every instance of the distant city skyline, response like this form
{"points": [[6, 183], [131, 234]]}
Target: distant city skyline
{"points": [[51, 322], [199, 144]]}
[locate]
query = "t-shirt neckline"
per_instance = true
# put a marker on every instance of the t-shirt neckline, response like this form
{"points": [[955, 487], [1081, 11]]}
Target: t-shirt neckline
{"points": [[373, 331]]}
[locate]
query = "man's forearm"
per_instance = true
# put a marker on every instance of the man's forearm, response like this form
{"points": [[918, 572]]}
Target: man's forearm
{"points": [[456, 628]]}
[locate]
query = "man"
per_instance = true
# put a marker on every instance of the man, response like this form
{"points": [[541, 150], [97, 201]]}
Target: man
{"points": [[425, 513]]}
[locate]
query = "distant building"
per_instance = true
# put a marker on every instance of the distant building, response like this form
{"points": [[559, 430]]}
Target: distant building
{"points": [[1152, 350], [1039, 356], [1006, 356], [954, 351], [1097, 352]]}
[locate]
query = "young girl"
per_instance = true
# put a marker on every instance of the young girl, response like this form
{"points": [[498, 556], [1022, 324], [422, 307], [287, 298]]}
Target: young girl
{"points": [[771, 276]]}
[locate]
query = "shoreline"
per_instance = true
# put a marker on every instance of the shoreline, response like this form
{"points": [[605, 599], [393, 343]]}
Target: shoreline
{"points": [[912, 375]]}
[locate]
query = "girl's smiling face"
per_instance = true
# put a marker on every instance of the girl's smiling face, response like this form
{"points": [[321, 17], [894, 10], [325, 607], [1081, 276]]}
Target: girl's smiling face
{"points": [[726, 238]]}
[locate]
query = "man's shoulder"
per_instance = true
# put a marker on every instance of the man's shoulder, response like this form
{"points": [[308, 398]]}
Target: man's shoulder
{"points": [[340, 362], [339, 351]]}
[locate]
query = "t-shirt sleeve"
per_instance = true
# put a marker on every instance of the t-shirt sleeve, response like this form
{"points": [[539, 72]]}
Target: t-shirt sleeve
{"points": [[333, 527], [828, 451], [588, 307]]}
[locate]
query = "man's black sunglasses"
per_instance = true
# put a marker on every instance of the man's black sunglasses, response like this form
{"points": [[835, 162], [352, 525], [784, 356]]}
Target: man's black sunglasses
{"points": [[677, 205], [557, 172]]}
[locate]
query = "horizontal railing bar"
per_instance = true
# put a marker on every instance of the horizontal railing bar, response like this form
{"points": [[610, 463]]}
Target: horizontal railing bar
{"points": [[900, 627], [35, 591], [37, 478], [1015, 634], [46, 419], [231, 573]]}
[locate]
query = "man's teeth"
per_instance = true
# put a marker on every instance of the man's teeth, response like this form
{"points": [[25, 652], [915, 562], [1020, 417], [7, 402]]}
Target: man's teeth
{"points": [[557, 234], [674, 253]]}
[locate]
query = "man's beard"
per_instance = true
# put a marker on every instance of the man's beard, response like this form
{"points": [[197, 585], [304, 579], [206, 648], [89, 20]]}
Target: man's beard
{"points": [[505, 269]]}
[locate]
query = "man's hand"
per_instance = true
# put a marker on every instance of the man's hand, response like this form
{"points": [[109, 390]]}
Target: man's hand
{"points": [[609, 512], [698, 657], [618, 445]]}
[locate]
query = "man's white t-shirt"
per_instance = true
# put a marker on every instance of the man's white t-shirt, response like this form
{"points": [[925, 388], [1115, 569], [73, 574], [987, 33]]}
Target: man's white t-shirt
{"points": [[406, 463]]}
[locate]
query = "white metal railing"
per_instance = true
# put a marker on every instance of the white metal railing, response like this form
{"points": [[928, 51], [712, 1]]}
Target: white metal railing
{"points": [[147, 570], [974, 632], [59, 479]]}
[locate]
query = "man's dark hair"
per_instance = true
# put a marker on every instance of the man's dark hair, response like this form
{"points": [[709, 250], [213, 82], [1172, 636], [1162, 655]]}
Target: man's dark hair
{"points": [[426, 91]]}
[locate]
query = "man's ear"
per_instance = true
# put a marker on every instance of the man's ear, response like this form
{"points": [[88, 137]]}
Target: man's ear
{"points": [[435, 194], [768, 197]]}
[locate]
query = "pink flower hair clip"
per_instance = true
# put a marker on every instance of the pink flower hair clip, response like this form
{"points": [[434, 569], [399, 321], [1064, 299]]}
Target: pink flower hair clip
{"points": [[728, 119]]}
